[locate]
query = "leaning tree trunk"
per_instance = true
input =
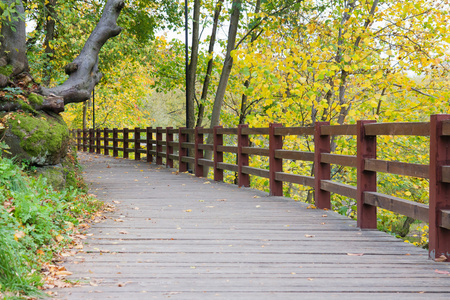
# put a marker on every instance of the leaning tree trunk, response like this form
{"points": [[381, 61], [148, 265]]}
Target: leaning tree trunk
{"points": [[83, 71]]}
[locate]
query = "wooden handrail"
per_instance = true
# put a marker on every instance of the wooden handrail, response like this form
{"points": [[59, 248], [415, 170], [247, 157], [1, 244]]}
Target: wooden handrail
{"points": [[187, 147]]}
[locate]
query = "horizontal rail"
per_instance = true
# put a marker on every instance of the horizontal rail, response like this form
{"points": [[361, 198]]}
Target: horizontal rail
{"points": [[206, 162], [396, 167], [338, 130], [226, 130], [229, 149], [295, 178], [295, 155], [419, 129], [206, 147], [255, 151], [255, 171], [249, 131], [338, 188], [411, 209], [225, 166], [337, 159]]}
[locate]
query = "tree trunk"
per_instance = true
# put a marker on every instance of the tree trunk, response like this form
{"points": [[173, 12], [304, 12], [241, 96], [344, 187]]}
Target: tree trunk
{"points": [[207, 80], [227, 64], [83, 71], [49, 36], [192, 71], [13, 51]]}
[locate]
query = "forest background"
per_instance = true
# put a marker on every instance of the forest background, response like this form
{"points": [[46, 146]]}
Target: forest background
{"points": [[262, 61]]}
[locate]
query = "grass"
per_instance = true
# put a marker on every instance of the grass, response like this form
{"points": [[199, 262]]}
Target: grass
{"points": [[36, 223]]}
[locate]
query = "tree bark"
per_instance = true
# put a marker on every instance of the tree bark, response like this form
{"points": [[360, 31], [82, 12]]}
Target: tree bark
{"points": [[13, 51], [212, 41], [49, 36], [83, 71], [227, 64], [193, 63]]}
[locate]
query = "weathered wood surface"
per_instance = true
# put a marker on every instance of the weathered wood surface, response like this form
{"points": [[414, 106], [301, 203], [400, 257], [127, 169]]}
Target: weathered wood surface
{"points": [[174, 236]]}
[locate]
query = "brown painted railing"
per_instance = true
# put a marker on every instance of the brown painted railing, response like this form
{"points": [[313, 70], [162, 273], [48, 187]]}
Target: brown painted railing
{"points": [[159, 143]]}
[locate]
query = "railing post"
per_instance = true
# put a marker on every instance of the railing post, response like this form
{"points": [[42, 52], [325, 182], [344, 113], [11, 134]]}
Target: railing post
{"points": [[126, 135], [85, 132], [182, 152], [275, 164], [149, 142], [91, 140], [169, 147], [322, 171], [439, 237], [159, 146], [105, 141], [366, 147], [218, 155], [243, 159], [79, 140], [115, 142], [198, 139], [137, 143], [98, 141]]}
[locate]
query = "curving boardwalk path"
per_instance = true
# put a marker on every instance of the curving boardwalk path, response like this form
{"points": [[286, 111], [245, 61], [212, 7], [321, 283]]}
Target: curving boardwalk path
{"points": [[174, 236]]}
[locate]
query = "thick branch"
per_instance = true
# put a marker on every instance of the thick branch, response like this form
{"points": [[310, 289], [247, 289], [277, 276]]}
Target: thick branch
{"points": [[83, 71]]}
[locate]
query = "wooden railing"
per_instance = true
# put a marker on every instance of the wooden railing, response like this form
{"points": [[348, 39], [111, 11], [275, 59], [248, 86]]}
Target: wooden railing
{"points": [[160, 144]]}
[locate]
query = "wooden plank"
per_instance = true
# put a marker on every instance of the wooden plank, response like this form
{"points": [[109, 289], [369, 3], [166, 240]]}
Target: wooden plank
{"points": [[404, 128], [188, 159], [174, 156], [446, 127], [446, 174], [255, 131], [445, 219], [255, 151], [338, 130], [294, 131], [411, 209], [338, 188], [173, 144], [337, 159], [209, 147], [295, 178], [228, 149], [225, 166], [188, 145], [188, 130], [227, 130], [205, 130], [293, 154], [396, 167], [255, 171], [205, 162]]}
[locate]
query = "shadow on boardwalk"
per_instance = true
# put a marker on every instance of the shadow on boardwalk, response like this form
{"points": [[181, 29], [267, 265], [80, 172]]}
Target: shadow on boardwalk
{"points": [[180, 237]]}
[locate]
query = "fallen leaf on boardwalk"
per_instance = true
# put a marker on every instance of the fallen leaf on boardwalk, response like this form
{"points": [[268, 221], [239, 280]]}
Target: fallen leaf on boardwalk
{"points": [[116, 202], [309, 235], [258, 206], [355, 254], [441, 258], [122, 284], [206, 182], [118, 220], [123, 232], [324, 216], [104, 251], [256, 196], [79, 246], [442, 272], [108, 166], [63, 273], [221, 200], [188, 210], [310, 279], [136, 208], [311, 207], [136, 180]]}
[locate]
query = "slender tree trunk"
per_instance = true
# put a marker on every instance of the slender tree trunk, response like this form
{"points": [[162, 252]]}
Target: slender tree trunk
{"points": [[192, 71], [227, 64], [49, 36], [212, 41]]}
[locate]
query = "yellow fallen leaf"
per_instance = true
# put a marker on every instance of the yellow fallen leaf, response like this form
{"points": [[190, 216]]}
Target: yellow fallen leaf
{"points": [[355, 254], [309, 235], [63, 273], [188, 210]]}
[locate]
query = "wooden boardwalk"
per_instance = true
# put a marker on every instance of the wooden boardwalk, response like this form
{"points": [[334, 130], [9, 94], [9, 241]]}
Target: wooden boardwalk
{"points": [[174, 236]]}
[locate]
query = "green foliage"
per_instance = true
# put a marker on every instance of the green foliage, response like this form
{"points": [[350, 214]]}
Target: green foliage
{"points": [[35, 222]]}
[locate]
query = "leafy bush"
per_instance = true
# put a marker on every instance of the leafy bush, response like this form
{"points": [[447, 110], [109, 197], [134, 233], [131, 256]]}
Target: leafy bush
{"points": [[35, 223]]}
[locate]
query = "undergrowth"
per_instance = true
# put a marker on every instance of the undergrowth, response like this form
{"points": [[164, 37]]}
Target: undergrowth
{"points": [[36, 222]]}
